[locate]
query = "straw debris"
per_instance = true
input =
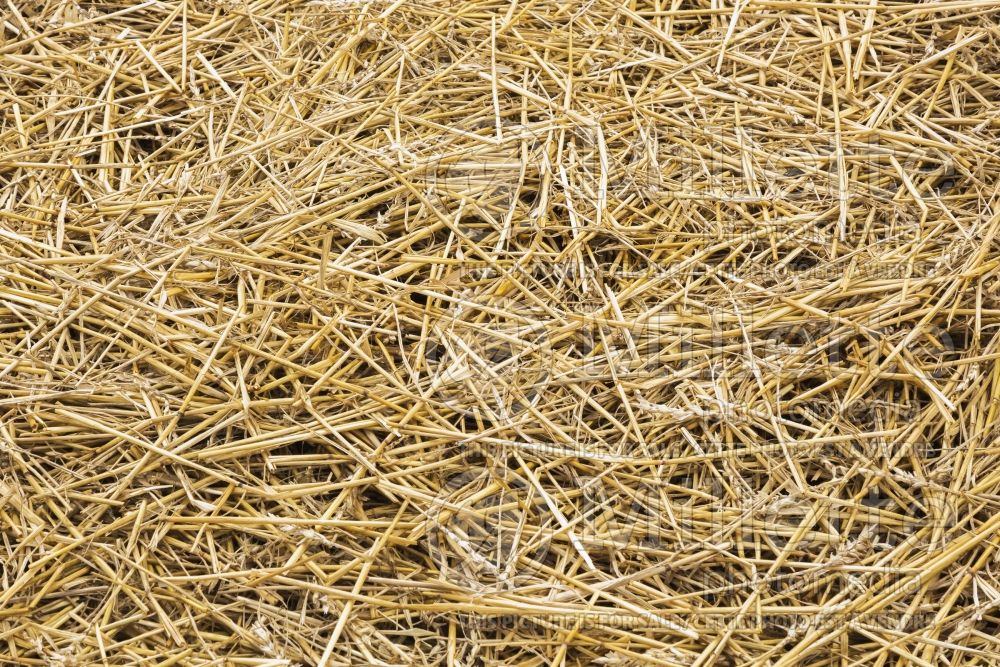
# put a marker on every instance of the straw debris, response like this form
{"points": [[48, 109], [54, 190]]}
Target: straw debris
{"points": [[391, 332]]}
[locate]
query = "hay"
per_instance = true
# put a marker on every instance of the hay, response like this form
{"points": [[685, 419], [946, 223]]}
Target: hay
{"points": [[499, 332]]}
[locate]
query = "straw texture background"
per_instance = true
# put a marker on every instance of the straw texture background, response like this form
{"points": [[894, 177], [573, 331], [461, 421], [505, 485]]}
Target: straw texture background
{"points": [[499, 332]]}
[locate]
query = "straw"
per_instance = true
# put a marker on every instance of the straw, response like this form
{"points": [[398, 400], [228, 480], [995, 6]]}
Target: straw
{"points": [[392, 332]]}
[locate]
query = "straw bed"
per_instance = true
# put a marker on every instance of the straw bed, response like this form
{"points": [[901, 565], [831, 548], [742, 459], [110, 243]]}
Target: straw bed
{"points": [[499, 332]]}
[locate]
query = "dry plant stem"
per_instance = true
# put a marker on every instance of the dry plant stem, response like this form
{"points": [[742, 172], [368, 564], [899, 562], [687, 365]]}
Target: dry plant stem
{"points": [[394, 332]]}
